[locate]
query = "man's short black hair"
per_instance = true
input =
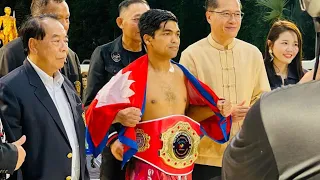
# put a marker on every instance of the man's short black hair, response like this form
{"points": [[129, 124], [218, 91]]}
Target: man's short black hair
{"points": [[33, 28], [151, 20], [126, 3], [212, 4], [38, 6]]}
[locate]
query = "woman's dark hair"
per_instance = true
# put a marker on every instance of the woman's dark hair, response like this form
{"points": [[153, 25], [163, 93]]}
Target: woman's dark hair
{"points": [[277, 28]]}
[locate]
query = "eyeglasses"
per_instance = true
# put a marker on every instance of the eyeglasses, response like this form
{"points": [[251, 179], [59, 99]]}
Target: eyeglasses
{"points": [[228, 15]]}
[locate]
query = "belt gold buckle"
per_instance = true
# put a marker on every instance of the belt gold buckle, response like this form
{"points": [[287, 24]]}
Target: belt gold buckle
{"points": [[180, 145]]}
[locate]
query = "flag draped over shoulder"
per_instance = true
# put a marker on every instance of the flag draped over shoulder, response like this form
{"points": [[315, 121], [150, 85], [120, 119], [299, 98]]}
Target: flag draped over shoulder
{"points": [[127, 89]]}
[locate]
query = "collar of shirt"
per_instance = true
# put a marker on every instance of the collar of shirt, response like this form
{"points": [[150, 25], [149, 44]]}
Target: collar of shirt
{"points": [[219, 46], [292, 74], [47, 80], [117, 45]]}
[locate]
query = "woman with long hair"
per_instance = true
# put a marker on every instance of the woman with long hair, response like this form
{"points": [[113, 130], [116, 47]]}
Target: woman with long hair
{"points": [[283, 54]]}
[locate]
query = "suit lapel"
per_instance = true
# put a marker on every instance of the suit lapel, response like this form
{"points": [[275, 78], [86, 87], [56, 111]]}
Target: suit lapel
{"points": [[73, 104], [43, 96], [78, 122]]}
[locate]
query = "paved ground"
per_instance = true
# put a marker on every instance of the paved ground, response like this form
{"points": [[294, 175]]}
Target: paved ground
{"points": [[94, 172]]}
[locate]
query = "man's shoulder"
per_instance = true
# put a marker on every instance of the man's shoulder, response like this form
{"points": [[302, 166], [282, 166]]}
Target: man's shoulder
{"points": [[13, 45], [197, 45], [16, 77], [108, 46], [245, 45], [71, 52], [74, 57], [68, 82]]}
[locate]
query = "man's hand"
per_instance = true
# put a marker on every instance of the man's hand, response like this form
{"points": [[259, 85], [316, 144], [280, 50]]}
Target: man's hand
{"points": [[225, 107], [239, 112], [128, 117], [117, 150], [21, 151]]}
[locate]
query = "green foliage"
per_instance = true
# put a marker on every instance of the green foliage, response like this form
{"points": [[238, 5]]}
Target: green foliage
{"points": [[277, 7], [290, 10]]}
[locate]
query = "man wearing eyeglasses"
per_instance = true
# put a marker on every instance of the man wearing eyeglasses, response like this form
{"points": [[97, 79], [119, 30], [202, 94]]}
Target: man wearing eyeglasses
{"points": [[233, 68]]}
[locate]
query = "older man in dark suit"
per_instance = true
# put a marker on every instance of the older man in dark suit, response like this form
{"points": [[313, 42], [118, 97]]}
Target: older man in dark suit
{"points": [[42, 104], [12, 56]]}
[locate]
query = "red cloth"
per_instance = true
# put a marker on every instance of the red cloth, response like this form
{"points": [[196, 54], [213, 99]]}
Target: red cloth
{"points": [[127, 89], [144, 171]]}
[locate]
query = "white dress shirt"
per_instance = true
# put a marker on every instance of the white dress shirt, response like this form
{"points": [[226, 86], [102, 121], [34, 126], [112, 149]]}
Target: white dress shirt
{"points": [[58, 96]]}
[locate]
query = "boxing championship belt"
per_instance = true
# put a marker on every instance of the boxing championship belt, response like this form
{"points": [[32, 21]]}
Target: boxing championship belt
{"points": [[170, 144]]}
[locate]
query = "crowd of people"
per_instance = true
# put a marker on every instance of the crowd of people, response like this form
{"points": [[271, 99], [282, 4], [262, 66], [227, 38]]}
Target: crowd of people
{"points": [[148, 116]]}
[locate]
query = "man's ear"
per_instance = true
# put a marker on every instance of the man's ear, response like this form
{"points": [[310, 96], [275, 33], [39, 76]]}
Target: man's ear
{"points": [[147, 39], [119, 22], [33, 44], [209, 17]]}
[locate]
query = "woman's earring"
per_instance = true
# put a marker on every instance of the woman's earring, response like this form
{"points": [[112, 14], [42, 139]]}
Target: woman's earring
{"points": [[271, 55]]}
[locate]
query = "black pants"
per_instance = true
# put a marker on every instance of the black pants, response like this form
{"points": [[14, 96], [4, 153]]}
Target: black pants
{"points": [[204, 172], [110, 168]]}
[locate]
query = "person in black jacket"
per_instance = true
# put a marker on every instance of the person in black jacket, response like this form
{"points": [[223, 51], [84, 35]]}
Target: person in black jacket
{"points": [[106, 61], [12, 56], [12, 155]]}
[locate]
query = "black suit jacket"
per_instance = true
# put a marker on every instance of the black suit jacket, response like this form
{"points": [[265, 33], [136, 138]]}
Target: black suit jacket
{"points": [[30, 111], [12, 56], [8, 153]]}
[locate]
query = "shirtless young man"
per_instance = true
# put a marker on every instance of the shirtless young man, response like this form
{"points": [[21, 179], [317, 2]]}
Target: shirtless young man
{"points": [[166, 101]]}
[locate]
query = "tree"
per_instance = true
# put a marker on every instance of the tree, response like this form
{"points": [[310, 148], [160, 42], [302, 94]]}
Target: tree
{"points": [[277, 9], [290, 10]]}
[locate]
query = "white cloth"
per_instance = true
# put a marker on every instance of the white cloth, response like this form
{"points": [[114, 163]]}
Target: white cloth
{"points": [[58, 96]]}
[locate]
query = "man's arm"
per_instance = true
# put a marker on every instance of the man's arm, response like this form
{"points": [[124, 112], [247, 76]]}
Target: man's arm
{"points": [[97, 76], [79, 72], [5, 56], [15, 28], [8, 157], [199, 113], [10, 109], [10, 113], [1, 21], [187, 61], [96, 79], [262, 82], [12, 155]]}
